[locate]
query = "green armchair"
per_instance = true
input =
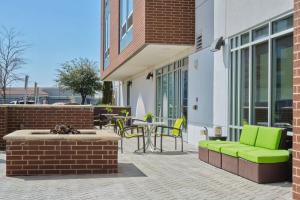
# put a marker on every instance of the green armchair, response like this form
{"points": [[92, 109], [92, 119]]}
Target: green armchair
{"points": [[176, 132], [130, 132]]}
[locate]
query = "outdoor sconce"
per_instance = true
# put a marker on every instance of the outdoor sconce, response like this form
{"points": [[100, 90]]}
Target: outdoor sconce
{"points": [[217, 44], [129, 83], [150, 75]]}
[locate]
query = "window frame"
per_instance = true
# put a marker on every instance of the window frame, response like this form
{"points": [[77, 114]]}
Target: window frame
{"points": [[236, 49]]}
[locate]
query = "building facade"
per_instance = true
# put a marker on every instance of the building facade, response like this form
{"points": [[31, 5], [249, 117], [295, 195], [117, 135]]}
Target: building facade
{"points": [[163, 58]]}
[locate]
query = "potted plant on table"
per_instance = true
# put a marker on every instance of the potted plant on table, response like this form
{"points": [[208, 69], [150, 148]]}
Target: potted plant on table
{"points": [[149, 117], [109, 109], [124, 112]]}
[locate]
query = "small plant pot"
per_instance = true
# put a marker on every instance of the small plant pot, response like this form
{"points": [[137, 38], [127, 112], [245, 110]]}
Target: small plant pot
{"points": [[149, 120]]}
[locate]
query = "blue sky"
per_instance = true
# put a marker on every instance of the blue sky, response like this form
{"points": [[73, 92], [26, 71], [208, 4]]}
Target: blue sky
{"points": [[57, 30]]}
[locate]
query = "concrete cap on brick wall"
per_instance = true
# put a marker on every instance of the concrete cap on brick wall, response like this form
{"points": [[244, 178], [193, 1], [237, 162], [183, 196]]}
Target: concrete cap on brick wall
{"points": [[44, 106], [86, 134]]}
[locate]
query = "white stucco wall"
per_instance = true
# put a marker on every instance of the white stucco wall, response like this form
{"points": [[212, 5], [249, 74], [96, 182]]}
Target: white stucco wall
{"points": [[145, 91], [201, 68]]}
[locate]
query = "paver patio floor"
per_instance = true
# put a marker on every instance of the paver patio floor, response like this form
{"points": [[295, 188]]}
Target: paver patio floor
{"points": [[171, 175]]}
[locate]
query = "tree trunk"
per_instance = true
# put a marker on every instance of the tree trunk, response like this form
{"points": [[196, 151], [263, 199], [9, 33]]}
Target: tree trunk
{"points": [[107, 92], [83, 97], [4, 95]]}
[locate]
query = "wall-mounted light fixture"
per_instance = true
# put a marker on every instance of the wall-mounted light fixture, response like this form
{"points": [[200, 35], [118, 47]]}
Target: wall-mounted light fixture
{"points": [[217, 44], [150, 75], [129, 83]]}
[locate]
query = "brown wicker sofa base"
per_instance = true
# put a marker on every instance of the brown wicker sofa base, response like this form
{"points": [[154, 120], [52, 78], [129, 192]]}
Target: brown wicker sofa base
{"points": [[263, 173], [215, 158], [230, 164], [203, 154]]}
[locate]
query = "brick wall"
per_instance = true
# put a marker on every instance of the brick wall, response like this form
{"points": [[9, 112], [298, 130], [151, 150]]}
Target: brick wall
{"points": [[155, 22], [3, 125], [117, 57], [44, 117], [61, 157], [296, 103], [170, 21]]}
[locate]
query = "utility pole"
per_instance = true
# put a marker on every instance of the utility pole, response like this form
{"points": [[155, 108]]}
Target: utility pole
{"points": [[35, 93], [25, 87]]}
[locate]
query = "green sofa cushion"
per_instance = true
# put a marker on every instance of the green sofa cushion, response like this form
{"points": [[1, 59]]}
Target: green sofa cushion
{"points": [[265, 156], [234, 151], [204, 143], [268, 138], [218, 146], [249, 134]]}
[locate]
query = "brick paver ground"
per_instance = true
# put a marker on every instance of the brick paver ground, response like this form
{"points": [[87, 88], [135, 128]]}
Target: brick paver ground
{"points": [[171, 175]]}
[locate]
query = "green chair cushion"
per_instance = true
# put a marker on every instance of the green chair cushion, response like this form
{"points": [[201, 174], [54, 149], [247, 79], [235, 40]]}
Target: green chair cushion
{"points": [[265, 156], [204, 143], [249, 134], [234, 151], [218, 146], [177, 126], [268, 138]]}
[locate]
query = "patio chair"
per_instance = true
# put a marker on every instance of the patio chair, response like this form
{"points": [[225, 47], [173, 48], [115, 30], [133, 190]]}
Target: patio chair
{"points": [[100, 121], [176, 132], [128, 132]]}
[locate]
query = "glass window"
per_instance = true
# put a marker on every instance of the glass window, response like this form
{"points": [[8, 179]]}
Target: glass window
{"points": [[126, 23], [260, 83], [245, 38], [172, 92], [260, 32], [106, 33], [257, 97], [282, 70], [244, 109], [282, 24]]}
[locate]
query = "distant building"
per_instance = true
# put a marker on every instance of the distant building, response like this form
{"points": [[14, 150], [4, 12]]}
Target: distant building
{"points": [[46, 95]]}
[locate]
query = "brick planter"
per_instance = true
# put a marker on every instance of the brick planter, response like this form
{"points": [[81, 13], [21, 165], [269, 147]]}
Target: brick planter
{"points": [[45, 154]]}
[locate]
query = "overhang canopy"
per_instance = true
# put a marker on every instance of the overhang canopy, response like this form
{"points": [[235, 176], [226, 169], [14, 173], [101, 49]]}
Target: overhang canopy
{"points": [[148, 57]]}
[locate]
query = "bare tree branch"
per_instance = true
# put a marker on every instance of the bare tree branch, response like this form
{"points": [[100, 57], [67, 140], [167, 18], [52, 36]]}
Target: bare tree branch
{"points": [[11, 58]]}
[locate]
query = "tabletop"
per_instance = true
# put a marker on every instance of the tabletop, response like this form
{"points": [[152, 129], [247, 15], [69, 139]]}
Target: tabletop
{"points": [[148, 123]]}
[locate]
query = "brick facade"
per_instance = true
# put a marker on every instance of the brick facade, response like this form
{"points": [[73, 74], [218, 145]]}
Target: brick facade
{"points": [[296, 103], [43, 117], [61, 157], [154, 22], [170, 21]]}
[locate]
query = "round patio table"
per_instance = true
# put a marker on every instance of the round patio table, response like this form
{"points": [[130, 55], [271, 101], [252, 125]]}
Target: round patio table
{"points": [[149, 131]]}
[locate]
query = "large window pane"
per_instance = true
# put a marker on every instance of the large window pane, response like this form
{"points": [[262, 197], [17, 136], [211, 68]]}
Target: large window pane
{"points": [[260, 84], [244, 110], [282, 81], [123, 11], [171, 95], [158, 96], [282, 24]]}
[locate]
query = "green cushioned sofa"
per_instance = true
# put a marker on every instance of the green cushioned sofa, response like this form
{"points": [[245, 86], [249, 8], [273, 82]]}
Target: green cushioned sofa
{"points": [[258, 156]]}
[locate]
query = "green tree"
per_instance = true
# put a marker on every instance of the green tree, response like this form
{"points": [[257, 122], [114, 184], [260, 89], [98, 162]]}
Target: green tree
{"points": [[107, 92], [80, 76]]}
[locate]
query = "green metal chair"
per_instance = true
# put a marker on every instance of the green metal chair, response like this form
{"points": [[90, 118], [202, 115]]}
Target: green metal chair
{"points": [[129, 132], [176, 132]]}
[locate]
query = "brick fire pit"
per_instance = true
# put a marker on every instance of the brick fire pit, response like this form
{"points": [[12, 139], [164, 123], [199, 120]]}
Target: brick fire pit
{"points": [[37, 152]]}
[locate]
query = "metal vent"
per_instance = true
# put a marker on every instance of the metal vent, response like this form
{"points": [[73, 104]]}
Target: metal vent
{"points": [[199, 43]]}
